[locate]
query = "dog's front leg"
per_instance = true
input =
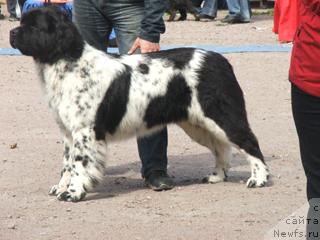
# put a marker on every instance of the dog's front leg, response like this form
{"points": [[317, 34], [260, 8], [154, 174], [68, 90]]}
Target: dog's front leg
{"points": [[66, 170], [87, 165]]}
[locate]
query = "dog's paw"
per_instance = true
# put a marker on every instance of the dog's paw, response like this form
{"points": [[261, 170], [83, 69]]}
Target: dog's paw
{"points": [[259, 178], [254, 182], [219, 175], [71, 195], [56, 190], [214, 178]]}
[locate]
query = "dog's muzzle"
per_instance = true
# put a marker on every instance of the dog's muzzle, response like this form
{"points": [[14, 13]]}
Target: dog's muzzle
{"points": [[13, 36]]}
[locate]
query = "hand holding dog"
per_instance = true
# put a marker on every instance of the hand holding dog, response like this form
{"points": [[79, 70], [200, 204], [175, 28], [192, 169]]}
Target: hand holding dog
{"points": [[145, 46]]}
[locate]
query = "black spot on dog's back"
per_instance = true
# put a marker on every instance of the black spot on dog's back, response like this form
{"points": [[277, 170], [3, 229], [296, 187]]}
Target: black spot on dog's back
{"points": [[171, 107], [114, 105], [143, 68], [178, 57]]}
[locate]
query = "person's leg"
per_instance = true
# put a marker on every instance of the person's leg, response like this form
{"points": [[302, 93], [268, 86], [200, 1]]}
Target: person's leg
{"points": [[233, 7], [306, 114], [93, 26], [1, 15], [234, 15], [244, 11], [11, 6], [209, 8], [21, 3], [126, 19]]}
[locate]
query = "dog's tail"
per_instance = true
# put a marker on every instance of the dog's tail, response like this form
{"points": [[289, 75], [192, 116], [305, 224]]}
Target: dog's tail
{"points": [[222, 100]]}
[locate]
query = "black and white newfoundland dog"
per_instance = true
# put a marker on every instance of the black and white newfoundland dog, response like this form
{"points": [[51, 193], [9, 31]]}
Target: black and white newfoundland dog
{"points": [[98, 98]]}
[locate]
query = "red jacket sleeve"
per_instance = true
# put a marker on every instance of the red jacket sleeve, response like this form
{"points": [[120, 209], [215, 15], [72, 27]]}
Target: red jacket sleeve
{"points": [[313, 5]]}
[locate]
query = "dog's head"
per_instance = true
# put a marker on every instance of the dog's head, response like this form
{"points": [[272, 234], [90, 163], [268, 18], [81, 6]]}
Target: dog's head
{"points": [[47, 35]]}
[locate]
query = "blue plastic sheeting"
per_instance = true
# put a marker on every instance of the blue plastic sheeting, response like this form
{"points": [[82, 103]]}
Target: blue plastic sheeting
{"points": [[219, 49], [31, 4]]}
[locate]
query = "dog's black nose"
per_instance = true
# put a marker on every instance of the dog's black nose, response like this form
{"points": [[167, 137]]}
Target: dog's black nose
{"points": [[13, 35]]}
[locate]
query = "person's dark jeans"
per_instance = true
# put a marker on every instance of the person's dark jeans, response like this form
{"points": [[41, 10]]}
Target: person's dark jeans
{"points": [[153, 152], [11, 6], [306, 114], [95, 20]]}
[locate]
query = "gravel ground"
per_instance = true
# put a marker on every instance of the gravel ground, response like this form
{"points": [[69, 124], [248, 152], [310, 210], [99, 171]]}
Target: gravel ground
{"points": [[122, 207]]}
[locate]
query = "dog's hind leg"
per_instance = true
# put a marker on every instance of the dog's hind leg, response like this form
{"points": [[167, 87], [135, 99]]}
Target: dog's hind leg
{"points": [[183, 14], [172, 13], [87, 165], [241, 136], [192, 9], [248, 145], [223, 156], [221, 150]]}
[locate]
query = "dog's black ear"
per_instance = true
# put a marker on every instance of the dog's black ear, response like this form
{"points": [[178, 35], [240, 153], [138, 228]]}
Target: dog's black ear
{"points": [[69, 40], [60, 38], [48, 35]]}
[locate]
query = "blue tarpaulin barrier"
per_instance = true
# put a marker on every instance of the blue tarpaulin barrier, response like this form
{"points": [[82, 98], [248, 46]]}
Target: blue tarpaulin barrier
{"points": [[219, 49]]}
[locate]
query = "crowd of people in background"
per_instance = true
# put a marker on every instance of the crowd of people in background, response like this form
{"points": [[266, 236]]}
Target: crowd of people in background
{"points": [[286, 16], [13, 9], [239, 10]]}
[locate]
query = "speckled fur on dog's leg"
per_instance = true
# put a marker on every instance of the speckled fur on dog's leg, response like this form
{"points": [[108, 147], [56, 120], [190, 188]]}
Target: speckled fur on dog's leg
{"points": [[87, 166]]}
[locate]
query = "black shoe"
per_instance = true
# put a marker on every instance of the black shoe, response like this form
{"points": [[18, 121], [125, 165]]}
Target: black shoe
{"points": [[13, 18], [232, 19], [244, 20], [205, 17], [159, 180], [1, 16], [227, 18]]}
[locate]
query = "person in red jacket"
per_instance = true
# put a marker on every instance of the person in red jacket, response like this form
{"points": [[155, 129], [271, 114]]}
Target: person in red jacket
{"points": [[304, 75], [286, 19]]}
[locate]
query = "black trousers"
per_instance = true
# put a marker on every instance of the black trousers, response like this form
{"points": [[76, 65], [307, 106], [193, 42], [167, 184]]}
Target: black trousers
{"points": [[306, 114]]}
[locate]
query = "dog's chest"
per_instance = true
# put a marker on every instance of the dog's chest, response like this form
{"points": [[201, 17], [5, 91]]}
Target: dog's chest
{"points": [[73, 97]]}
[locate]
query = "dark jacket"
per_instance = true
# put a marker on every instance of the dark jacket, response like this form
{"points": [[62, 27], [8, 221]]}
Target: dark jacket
{"points": [[305, 59], [152, 24]]}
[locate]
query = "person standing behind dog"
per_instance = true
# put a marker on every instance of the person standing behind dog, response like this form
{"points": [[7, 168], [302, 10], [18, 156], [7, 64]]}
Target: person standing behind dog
{"points": [[304, 75], [11, 6], [1, 15], [208, 10], [285, 19], [239, 12], [138, 25]]}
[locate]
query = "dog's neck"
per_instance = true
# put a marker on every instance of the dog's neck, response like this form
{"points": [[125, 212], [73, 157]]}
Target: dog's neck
{"points": [[89, 56]]}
